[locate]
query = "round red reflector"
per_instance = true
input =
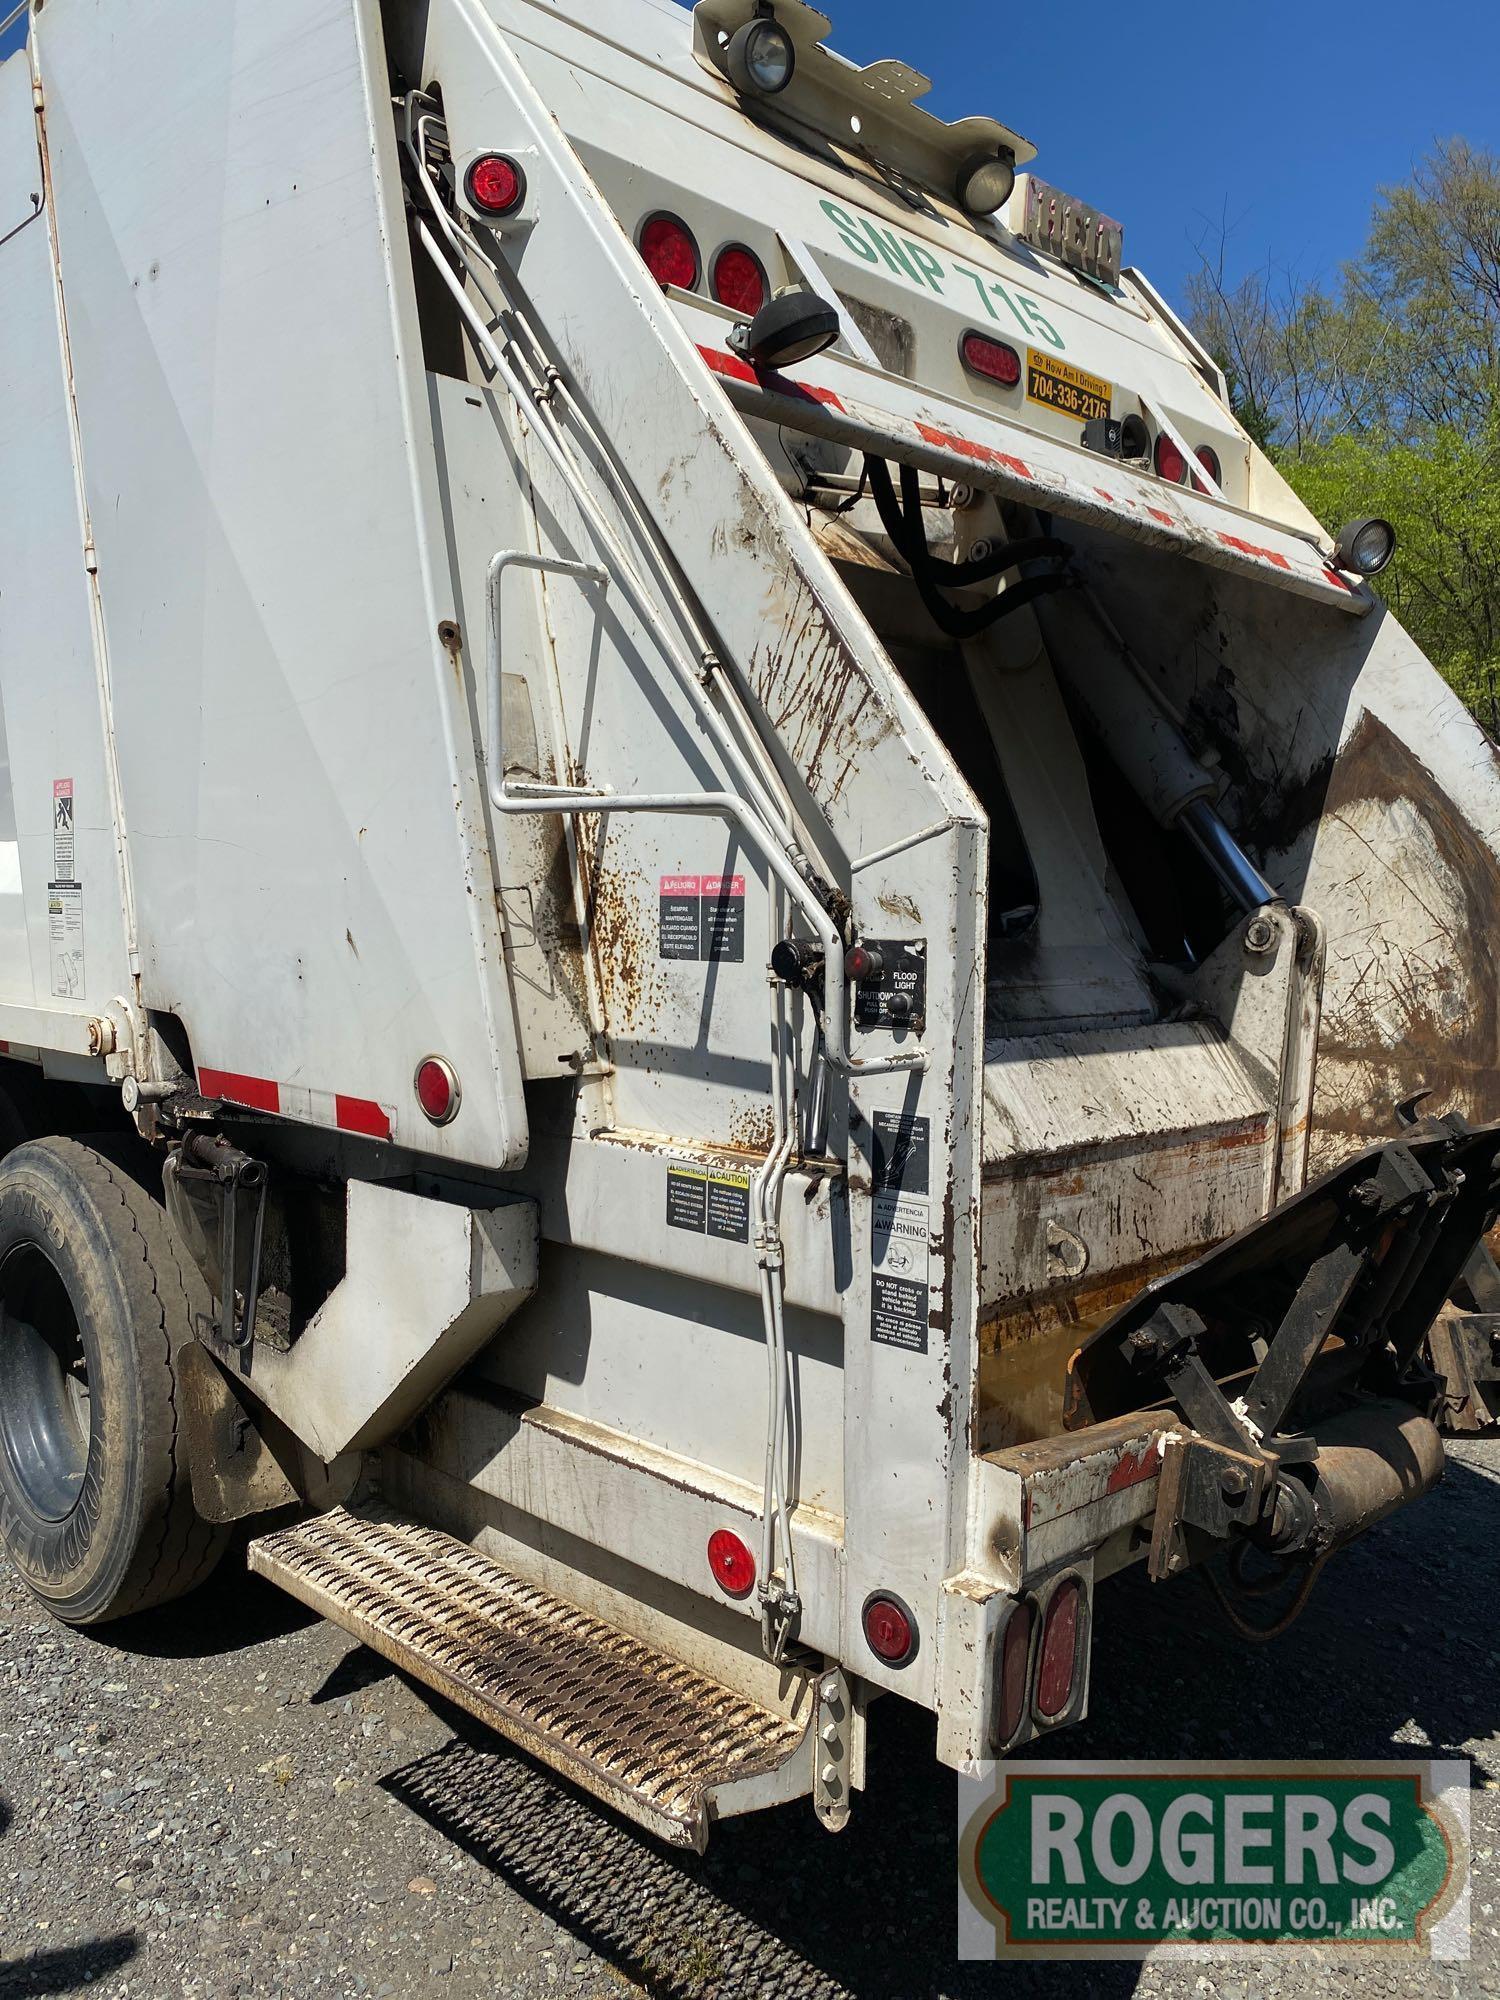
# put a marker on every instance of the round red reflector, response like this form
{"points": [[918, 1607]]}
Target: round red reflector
{"points": [[991, 358], [1170, 463], [738, 280], [496, 185], [1059, 1657], [1015, 1658], [1208, 458], [890, 1631], [670, 252], [731, 1562], [437, 1090]]}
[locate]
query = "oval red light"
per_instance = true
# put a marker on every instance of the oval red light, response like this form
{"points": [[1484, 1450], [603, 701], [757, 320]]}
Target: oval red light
{"points": [[437, 1090], [1059, 1656], [1208, 458], [1170, 463], [739, 281], [889, 1632], [991, 358], [1015, 1658], [732, 1563], [670, 252], [496, 185]]}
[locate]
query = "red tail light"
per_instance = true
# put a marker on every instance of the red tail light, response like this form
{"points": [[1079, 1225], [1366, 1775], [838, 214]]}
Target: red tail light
{"points": [[1170, 463], [990, 358], [890, 1630], [437, 1090], [1015, 1659], [671, 253], [495, 185], [738, 280], [1208, 458], [732, 1563], [1059, 1653]]}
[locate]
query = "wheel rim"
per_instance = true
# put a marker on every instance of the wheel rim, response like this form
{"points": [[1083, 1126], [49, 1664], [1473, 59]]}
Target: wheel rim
{"points": [[46, 1410]]}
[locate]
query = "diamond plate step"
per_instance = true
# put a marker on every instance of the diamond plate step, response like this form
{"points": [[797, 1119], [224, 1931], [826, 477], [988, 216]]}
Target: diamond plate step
{"points": [[647, 1735]]}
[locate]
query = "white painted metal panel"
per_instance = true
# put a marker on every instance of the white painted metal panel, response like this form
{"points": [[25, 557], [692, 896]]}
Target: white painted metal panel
{"points": [[61, 949], [315, 888]]}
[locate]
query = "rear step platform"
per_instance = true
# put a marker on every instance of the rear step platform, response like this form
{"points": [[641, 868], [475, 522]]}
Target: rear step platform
{"points": [[649, 1736]]}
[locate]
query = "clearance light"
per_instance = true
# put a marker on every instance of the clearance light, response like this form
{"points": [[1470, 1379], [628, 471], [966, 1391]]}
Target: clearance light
{"points": [[890, 1630], [761, 59], [1365, 547], [992, 358], [1208, 458], [1015, 1661], [671, 252], [495, 185], [1170, 463], [1058, 1662], [739, 280], [987, 183], [732, 1564], [437, 1090]]}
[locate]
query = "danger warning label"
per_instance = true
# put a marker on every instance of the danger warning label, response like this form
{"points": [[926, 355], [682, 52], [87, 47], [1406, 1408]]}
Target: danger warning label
{"points": [[703, 918]]}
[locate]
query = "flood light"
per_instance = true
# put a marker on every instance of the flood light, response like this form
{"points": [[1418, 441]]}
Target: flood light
{"points": [[1365, 547], [986, 182], [793, 327], [761, 59]]}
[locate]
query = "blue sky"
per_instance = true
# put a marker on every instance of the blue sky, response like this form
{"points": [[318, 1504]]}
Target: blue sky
{"points": [[1265, 117], [13, 37], [1176, 118]]}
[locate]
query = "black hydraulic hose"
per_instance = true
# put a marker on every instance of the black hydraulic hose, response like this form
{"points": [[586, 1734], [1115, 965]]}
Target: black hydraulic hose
{"points": [[909, 538], [978, 570], [904, 527]]}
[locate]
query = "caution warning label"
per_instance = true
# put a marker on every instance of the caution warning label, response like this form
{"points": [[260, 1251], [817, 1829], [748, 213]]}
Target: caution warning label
{"points": [[709, 1201]]}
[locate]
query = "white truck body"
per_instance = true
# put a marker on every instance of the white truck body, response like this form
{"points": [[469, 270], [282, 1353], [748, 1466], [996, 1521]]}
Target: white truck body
{"points": [[261, 856]]}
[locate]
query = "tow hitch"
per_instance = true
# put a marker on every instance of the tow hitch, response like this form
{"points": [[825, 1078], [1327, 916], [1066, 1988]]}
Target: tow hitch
{"points": [[1295, 1353]]}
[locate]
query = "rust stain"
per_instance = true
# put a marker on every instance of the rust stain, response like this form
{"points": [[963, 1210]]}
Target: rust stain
{"points": [[1436, 1023], [623, 922], [752, 1129]]}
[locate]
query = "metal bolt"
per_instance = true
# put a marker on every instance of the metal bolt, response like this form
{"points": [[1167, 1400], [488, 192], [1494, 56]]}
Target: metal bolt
{"points": [[981, 550], [1234, 1482], [831, 1735], [831, 1777], [101, 1038], [1260, 936], [1367, 1194]]}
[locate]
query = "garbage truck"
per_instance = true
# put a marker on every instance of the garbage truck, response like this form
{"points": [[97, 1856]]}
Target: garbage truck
{"points": [[728, 955]]}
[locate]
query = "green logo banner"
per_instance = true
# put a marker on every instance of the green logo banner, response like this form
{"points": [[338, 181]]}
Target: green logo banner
{"points": [[1139, 1860]]}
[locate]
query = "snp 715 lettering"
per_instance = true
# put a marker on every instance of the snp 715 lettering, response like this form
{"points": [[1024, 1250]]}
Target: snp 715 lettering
{"points": [[915, 262]]}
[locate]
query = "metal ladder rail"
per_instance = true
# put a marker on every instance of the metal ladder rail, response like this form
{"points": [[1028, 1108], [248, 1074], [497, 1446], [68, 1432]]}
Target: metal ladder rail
{"points": [[778, 1588], [549, 391], [774, 850]]}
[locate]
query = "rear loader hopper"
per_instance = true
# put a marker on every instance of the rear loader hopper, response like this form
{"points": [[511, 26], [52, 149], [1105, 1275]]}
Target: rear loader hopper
{"points": [[727, 954]]}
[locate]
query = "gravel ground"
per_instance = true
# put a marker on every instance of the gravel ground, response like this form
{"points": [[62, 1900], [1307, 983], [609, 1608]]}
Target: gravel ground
{"points": [[231, 1799]]}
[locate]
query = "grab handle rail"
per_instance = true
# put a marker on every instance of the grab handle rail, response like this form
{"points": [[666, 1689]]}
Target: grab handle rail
{"points": [[570, 799]]}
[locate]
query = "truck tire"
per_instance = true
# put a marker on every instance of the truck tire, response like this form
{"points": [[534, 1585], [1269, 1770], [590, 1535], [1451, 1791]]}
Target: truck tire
{"points": [[96, 1506]]}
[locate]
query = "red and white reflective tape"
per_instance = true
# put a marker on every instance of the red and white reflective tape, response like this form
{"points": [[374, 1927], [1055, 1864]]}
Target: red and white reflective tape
{"points": [[1051, 472], [360, 1115]]}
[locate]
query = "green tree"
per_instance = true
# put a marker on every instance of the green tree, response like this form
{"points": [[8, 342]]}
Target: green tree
{"points": [[1382, 396]]}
